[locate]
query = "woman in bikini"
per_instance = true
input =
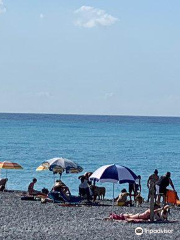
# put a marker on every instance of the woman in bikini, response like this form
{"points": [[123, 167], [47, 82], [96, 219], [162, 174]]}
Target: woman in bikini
{"points": [[139, 216]]}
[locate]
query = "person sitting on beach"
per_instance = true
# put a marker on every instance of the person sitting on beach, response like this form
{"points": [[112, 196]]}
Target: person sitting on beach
{"points": [[59, 186], [3, 182], [140, 216], [122, 198], [153, 179], [163, 183], [31, 189]]}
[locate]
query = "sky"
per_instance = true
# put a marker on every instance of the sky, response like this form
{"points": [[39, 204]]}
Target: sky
{"points": [[109, 57]]}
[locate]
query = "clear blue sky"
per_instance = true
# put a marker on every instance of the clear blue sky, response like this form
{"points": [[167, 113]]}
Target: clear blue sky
{"points": [[90, 57]]}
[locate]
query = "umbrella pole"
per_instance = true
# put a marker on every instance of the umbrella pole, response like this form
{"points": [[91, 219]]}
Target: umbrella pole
{"points": [[113, 200], [60, 174]]}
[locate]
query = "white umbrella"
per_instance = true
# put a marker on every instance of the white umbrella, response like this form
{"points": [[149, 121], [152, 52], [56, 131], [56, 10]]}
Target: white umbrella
{"points": [[59, 165], [114, 174]]}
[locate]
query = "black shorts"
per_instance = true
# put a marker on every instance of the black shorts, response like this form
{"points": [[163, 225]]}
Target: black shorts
{"points": [[162, 190]]}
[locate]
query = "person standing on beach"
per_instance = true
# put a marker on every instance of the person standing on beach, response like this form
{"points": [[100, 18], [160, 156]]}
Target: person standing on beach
{"points": [[84, 188], [163, 183], [153, 179], [135, 187]]}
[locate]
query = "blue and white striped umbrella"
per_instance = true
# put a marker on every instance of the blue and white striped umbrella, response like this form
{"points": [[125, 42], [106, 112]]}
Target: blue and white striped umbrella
{"points": [[114, 174]]}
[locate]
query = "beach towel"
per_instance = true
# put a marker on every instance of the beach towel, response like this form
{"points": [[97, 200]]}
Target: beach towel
{"points": [[28, 198], [117, 217]]}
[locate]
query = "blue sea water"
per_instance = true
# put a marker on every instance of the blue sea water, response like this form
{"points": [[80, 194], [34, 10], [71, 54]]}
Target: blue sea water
{"points": [[140, 143]]}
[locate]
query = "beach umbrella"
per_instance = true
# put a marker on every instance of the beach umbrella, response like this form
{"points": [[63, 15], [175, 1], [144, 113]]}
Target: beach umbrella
{"points": [[41, 168], [9, 165], [59, 165], [114, 174]]}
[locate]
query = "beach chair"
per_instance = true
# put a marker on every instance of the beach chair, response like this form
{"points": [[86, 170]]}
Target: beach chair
{"points": [[71, 198], [55, 197], [60, 196]]}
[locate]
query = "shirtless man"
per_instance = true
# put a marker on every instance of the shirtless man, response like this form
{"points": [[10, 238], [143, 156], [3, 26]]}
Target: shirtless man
{"points": [[31, 190]]}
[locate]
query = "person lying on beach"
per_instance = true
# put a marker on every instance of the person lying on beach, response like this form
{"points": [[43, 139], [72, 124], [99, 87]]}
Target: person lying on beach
{"points": [[31, 189], [3, 182], [122, 198], [160, 214]]}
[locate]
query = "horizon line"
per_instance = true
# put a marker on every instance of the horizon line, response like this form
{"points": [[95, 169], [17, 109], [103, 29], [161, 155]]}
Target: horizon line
{"points": [[89, 114]]}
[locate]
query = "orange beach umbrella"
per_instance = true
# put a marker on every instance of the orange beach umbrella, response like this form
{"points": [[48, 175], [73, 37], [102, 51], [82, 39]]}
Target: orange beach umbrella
{"points": [[9, 165]]}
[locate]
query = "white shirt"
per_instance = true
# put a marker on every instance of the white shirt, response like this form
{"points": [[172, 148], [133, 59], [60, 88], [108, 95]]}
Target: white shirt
{"points": [[84, 184]]}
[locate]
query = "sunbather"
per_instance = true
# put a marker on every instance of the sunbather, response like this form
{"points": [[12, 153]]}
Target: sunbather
{"points": [[140, 216]]}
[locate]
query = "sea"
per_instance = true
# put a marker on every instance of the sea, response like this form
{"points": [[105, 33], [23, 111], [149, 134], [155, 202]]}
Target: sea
{"points": [[142, 144]]}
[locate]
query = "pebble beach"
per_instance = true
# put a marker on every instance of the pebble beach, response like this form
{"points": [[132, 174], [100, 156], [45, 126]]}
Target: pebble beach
{"points": [[34, 220]]}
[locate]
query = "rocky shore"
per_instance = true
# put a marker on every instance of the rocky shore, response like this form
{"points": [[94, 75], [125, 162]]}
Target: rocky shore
{"points": [[34, 220]]}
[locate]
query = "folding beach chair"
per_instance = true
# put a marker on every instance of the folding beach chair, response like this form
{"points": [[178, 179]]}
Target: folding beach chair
{"points": [[59, 196]]}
